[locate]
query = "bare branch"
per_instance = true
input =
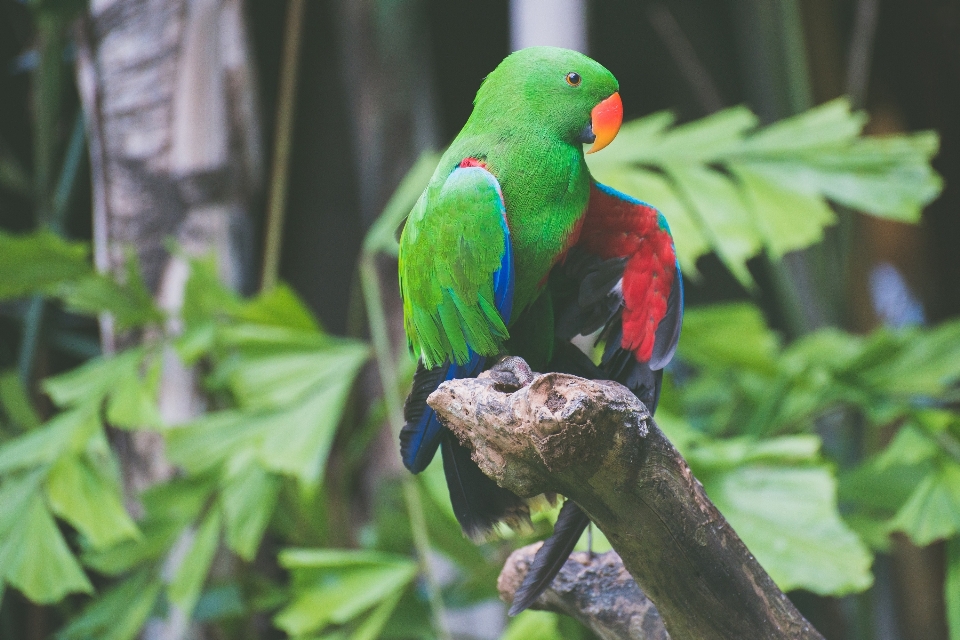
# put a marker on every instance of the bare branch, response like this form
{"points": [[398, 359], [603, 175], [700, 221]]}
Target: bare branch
{"points": [[595, 443]]}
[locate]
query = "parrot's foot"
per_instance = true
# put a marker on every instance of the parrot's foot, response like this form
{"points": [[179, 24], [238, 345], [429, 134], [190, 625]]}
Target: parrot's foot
{"points": [[510, 373]]}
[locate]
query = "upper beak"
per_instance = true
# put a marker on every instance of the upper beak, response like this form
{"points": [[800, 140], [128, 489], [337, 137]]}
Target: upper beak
{"points": [[605, 119]]}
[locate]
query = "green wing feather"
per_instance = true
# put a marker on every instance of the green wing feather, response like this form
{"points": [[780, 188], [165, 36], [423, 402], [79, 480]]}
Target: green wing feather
{"points": [[453, 243]]}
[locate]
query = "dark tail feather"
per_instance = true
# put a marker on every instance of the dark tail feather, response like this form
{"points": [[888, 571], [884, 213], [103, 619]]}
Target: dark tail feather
{"points": [[551, 557], [478, 502], [420, 435]]}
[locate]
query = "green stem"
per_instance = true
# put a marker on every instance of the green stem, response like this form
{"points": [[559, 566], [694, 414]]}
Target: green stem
{"points": [[36, 308], [283, 133], [377, 319]]}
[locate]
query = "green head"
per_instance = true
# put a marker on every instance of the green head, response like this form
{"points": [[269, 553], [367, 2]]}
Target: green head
{"points": [[563, 93]]}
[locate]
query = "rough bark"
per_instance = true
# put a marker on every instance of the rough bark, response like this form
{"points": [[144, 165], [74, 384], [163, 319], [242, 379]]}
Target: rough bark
{"points": [[597, 590], [595, 443]]}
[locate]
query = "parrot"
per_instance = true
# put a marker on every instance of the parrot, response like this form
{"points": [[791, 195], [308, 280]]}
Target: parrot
{"points": [[513, 255]]}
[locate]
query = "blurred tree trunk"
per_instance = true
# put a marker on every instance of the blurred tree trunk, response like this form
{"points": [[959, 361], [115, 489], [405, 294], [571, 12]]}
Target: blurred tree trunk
{"points": [[169, 99]]}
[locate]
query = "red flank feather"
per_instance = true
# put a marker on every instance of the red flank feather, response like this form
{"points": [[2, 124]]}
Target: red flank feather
{"points": [[616, 227]]}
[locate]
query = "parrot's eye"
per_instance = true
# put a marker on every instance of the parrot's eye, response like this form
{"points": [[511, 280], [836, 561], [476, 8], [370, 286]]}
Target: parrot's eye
{"points": [[573, 79]]}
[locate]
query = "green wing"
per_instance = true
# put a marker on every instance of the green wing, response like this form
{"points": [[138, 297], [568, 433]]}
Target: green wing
{"points": [[456, 269]]}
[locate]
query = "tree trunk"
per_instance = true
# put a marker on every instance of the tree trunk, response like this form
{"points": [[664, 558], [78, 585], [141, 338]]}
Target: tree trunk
{"points": [[175, 154]]}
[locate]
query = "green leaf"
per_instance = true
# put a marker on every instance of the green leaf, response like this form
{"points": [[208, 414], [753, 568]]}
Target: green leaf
{"points": [[951, 591], [532, 625], [133, 399], [69, 431], [374, 623], [16, 402], [786, 219], [38, 262], [119, 613], [933, 510], [92, 381], [205, 296], [729, 335], [248, 498], [334, 587], [155, 540], [277, 379], [827, 126], [130, 302], [788, 519], [279, 307], [720, 208], [186, 585], [738, 452], [35, 559], [92, 503]]}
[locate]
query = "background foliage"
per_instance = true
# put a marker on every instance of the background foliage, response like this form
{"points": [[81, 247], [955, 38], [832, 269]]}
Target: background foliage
{"points": [[817, 445]]}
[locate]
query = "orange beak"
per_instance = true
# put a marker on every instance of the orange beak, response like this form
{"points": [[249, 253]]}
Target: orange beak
{"points": [[606, 118]]}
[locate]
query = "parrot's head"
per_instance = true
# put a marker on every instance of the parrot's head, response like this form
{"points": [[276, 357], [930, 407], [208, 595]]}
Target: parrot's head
{"points": [[563, 93]]}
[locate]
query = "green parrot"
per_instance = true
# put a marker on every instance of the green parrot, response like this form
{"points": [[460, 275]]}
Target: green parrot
{"points": [[514, 250]]}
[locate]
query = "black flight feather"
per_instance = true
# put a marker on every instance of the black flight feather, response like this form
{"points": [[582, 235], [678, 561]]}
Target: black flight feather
{"points": [[551, 556], [478, 502]]}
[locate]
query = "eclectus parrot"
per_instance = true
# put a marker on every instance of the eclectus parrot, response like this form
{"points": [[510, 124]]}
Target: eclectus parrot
{"points": [[513, 249]]}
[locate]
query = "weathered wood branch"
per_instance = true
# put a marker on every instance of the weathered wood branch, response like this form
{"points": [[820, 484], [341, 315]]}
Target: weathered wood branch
{"points": [[595, 589], [595, 443]]}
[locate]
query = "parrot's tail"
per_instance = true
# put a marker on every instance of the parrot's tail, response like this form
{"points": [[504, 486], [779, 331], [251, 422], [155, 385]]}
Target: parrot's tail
{"points": [[478, 502], [551, 556]]}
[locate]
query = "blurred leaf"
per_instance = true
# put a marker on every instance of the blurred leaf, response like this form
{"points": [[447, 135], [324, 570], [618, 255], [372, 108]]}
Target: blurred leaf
{"points": [[117, 614], [278, 307], [277, 379], [184, 589], [205, 297], [68, 431], [738, 452], [35, 559], [720, 208], [81, 495], [155, 540], [16, 402], [767, 199], [532, 625], [170, 507], [933, 510], [38, 262], [248, 498], [729, 335], [788, 519], [90, 382], [334, 587], [130, 304]]}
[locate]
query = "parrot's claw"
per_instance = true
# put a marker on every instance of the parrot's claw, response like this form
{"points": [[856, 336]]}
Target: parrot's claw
{"points": [[510, 374]]}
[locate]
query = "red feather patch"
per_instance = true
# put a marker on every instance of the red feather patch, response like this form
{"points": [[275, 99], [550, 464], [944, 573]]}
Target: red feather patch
{"points": [[615, 227]]}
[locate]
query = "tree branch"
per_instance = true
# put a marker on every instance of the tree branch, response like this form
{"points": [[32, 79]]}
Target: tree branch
{"points": [[595, 443]]}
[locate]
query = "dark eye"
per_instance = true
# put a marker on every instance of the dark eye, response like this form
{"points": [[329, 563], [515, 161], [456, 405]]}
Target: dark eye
{"points": [[573, 79]]}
